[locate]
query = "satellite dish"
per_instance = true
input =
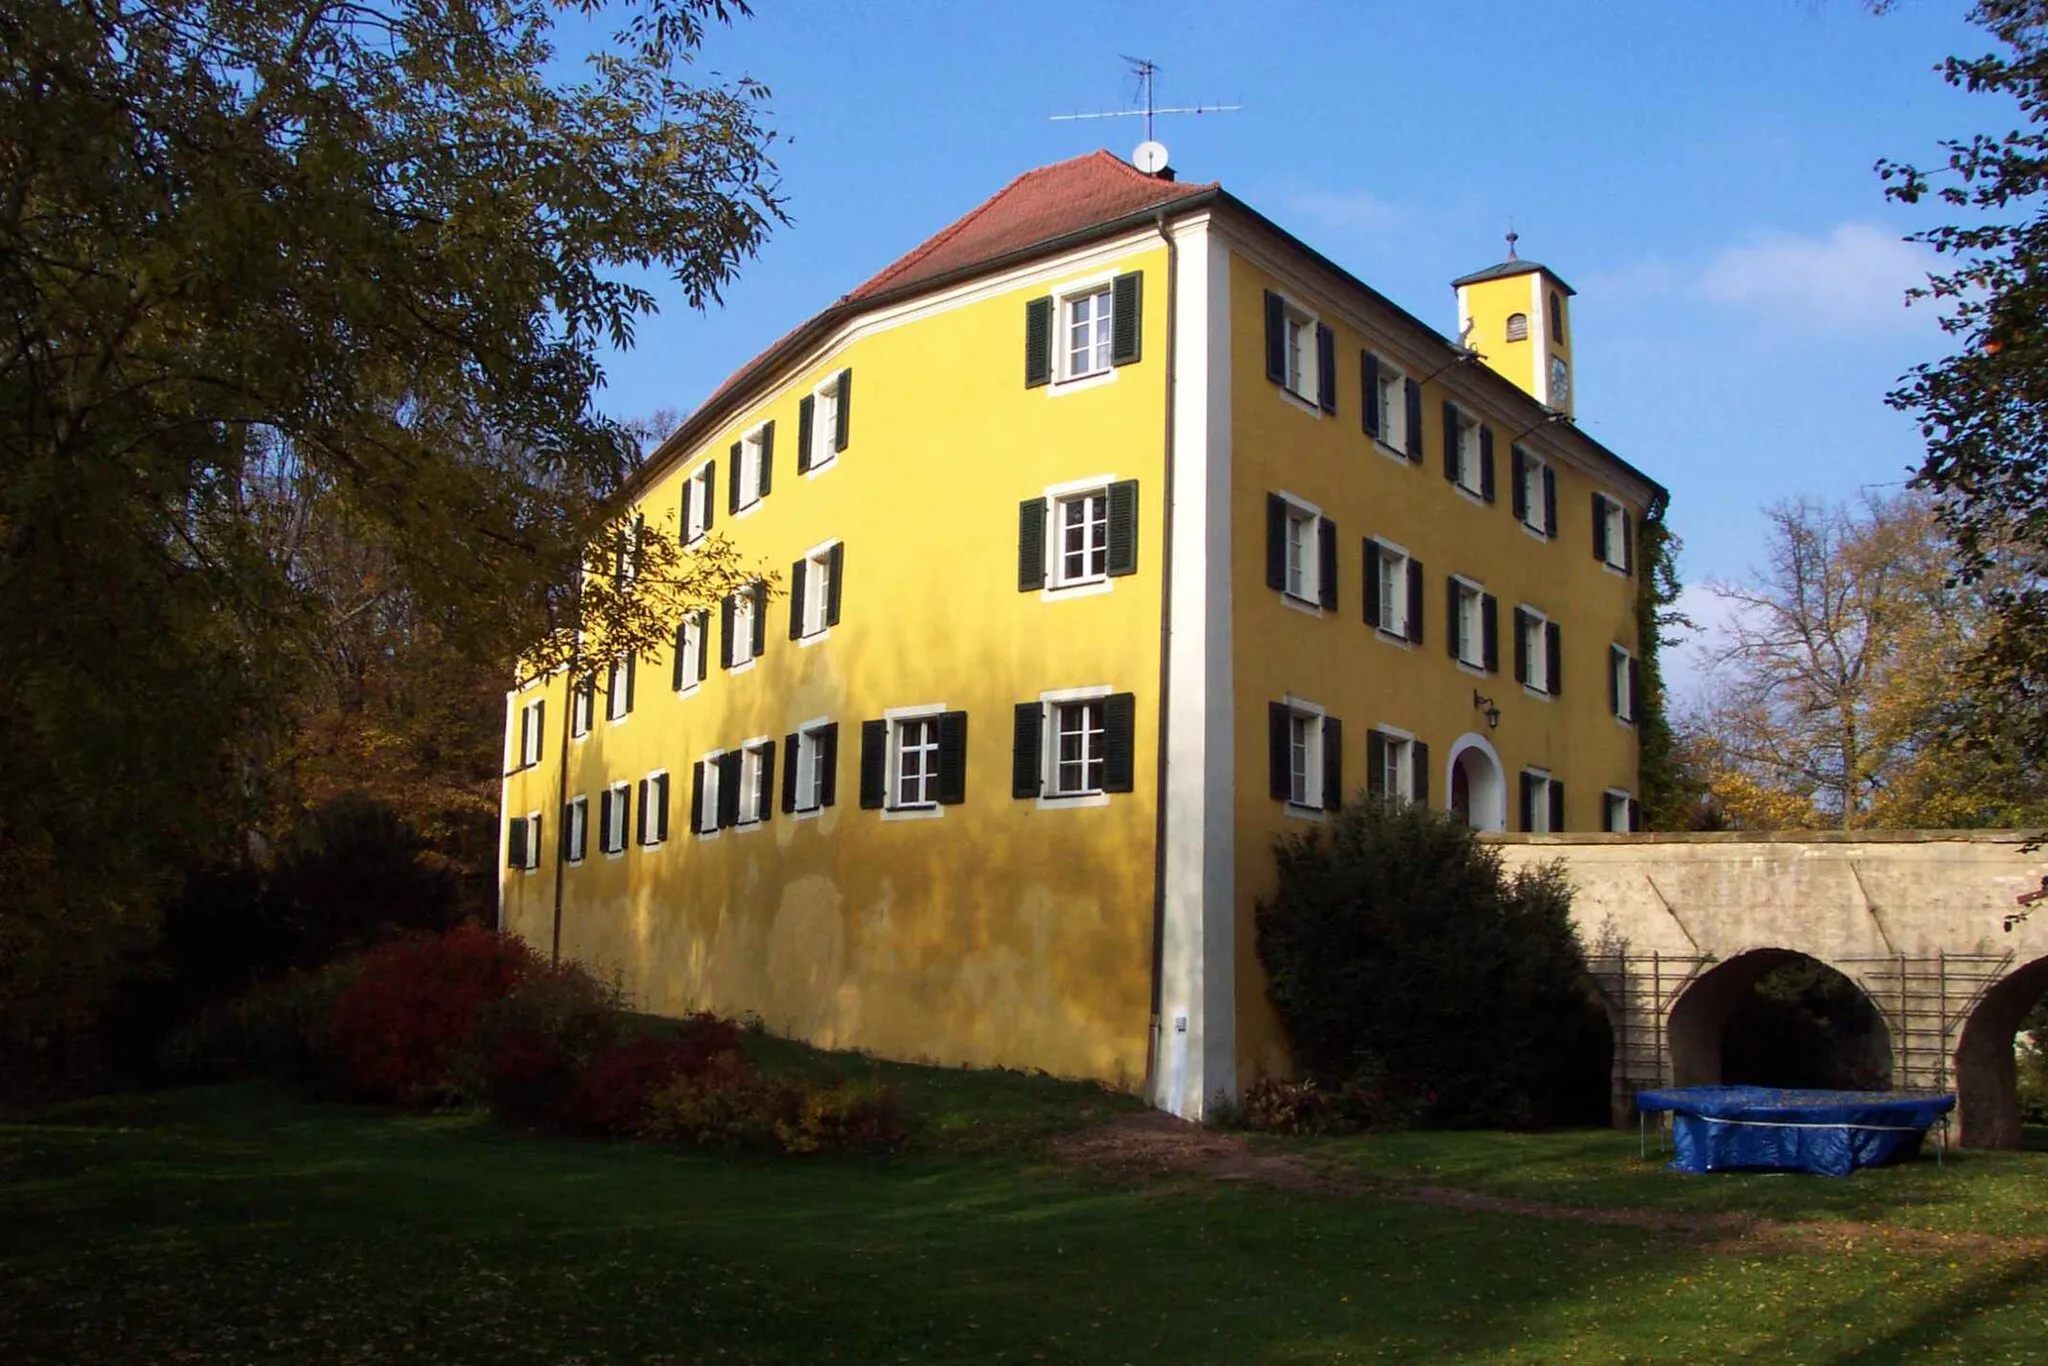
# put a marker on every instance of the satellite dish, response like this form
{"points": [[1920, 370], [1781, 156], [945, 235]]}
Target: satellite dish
{"points": [[1150, 157]]}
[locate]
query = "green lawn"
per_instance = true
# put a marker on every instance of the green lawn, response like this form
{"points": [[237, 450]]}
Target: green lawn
{"points": [[238, 1225]]}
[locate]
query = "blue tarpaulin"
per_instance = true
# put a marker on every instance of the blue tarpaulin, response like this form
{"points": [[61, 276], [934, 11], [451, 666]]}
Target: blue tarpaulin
{"points": [[1758, 1128]]}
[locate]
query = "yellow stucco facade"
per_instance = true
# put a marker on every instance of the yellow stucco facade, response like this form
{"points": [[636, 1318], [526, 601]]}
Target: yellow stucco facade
{"points": [[1108, 933]]}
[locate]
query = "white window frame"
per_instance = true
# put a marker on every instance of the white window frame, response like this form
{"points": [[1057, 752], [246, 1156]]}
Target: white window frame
{"points": [[1302, 513], [743, 629], [1303, 375], [1540, 815], [748, 475], [582, 708], [622, 797], [1536, 649], [1393, 404], [817, 592], [656, 775], [809, 774], [707, 814], [532, 741], [1400, 757], [897, 718], [532, 822], [615, 693], [1471, 624], [696, 630], [1099, 298], [1619, 657], [1396, 560], [1065, 380], [1311, 715], [1469, 478], [1533, 505], [576, 830], [756, 782], [1095, 545], [1049, 703], [1608, 798], [1616, 513], [824, 424], [700, 505]]}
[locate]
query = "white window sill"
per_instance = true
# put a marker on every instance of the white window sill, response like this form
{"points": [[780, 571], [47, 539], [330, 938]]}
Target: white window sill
{"points": [[690, 689], [1538, 532], [1080, 382], [746, 510], [1625, 722], [1296, 812], [807, 813], [1085, 589], [1396, 636], [710, 834], [1614, 569], [584, 736], [1073, 801], [1301, 401], [1540, 694], [912, 813], [614, 853], [818, 466], [576, 862], [1392, 452], [618, 720], [818, 637], [746, 827], [1476, 670], [743, 665], [1471, 493], [650, 848], [1302, 605], [527, 871]]}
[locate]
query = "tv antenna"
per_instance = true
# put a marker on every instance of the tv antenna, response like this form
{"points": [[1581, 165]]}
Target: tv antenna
{"points": [[1150, 157]]}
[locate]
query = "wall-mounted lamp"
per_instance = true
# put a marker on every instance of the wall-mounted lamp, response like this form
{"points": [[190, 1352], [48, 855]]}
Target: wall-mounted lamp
{"points": [[1492, 712]]}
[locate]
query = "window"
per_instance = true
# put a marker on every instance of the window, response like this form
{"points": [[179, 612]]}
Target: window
{"points": [[1537, 648], [626, 561], [1393, 591], [1620, 812], [689, 653], [1542, 803], [653, 828], [1074, 743], [1084, 334], [582, 703], [1388, 400], [1306, 755], [1557, 317], [821, 423], [1301, 551], [1612, 534], [531, 732], [914, 760], [755, 773], [1468, 452], [614, 804], [1622, 680], [1397, 765], [814, 592], [705, 784], [576, 829], [1301, 353], [700, 495], [1077, 758], [618, 689], [1078, 535], [753, 468], [1471, 625], [810, 756], [1535, 492], [522, 842], [1518, 327], [746, 619]]}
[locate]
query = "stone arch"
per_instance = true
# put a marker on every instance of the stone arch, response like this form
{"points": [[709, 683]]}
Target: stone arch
{"points": [[1987, 1082], [1699, 1018], [1475, 784]]}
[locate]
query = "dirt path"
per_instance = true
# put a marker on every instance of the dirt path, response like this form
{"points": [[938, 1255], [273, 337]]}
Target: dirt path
{"points": [[1154, 1144]]}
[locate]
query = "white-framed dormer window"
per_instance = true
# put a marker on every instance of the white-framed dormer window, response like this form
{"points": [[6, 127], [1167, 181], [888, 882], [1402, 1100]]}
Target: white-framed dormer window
{"points": [[813, 751], [615, 805], [1085, 332], [700, 491], [1306, 755], [750, 468], [1393, 591], [1619, 811], [582, 706], [576, 829], [814, 591], [532, 732], [689, 656], [618, 689], [653, 811], [522, 842], [1392, 401], [1622, 678], [1542, 802], [1612, 534], [1537, 667], [1470, 636]]}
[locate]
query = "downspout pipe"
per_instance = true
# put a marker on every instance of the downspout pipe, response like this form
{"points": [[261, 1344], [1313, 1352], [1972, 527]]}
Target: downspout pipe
{"points": [[1152, 1054]]}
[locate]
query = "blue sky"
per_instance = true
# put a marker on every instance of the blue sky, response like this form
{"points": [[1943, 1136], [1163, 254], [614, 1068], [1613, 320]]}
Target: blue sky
{"points": [[1700, 170]]}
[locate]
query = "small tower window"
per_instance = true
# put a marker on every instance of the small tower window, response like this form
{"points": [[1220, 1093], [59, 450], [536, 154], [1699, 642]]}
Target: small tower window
{"points": [[1518, 327], [1557, 317]]}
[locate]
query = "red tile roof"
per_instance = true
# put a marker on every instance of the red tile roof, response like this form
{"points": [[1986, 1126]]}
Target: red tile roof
{"points": [[1037, 206]]}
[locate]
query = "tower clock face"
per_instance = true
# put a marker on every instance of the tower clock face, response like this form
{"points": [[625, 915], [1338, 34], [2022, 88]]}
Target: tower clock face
{"points": [[1560, 382]]}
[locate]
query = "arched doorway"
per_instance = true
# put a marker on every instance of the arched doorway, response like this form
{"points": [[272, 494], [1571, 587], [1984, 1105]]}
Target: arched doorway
{"points": [[1478, 790], [1774, 1017], [1987, 1071]]}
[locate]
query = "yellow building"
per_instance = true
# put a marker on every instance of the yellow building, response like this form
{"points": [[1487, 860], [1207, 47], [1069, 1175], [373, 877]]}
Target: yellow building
{"points": [[1124, 532]]}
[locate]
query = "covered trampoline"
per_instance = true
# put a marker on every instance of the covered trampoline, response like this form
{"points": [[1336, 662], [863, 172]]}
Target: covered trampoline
{"points": [[1758, 1128]]}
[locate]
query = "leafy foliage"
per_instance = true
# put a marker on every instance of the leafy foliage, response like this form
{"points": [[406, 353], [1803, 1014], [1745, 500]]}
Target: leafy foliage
{"points": [[1662, 779], [1397, 949], [401, 1028]]}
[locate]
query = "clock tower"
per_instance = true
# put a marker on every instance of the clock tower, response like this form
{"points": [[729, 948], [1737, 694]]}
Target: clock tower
{"points": [[1517, 316]]}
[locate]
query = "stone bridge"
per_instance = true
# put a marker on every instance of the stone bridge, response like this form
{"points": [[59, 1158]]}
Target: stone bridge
{"points": [[1678, 927]]}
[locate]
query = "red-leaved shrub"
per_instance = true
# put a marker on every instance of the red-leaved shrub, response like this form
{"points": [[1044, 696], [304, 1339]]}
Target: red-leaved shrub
{"points": [[401, 1025], [611, 1096]]}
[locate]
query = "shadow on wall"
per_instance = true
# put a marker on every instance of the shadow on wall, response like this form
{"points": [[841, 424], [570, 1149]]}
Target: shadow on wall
{"points": [[1987, 1070], [1775, 1017]]}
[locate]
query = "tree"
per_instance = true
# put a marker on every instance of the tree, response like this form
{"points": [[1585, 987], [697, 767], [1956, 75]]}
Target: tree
{"points": [[1984, 409], [1838, 696], [291, 286]]}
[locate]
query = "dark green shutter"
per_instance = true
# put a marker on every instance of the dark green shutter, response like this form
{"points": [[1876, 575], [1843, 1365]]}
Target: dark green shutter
{"points": [[525, 737], [676, 679], [632, 672], [1451, 596], [1030, 545], [1628, 542], [515, 842], [732, 484], [1374, 613], [764, 798], [703, 644], [1528, 803], [796, 598], [640, 830], [1276, 542], [1276, 339], [1038, 342], [843, 417], [1277, 717], [1518, 476], [1615, 669], [1553, 649], [952, 758], [1549, 501], [874, 764], [697, 797], [1413, 395], [726, 609], [1450, 441], [710, 492], [835, 578], [1634, 688], [1123, 527], [1326, 368], [1635, 816], [767, 459], [1557, 822], [1486, 463], [828, 763], [1119, 741], [1375, 764], [1418, 776], [689, 497], [806, 419], [1521, 646], [1369, 393], [1600, 527], [661, 809], [760, 592], [1326, 562], [729, 788], [1125, 318], [792, 747], [1415, 604], [1333, 763], [1027, 763], [1489, 629]]}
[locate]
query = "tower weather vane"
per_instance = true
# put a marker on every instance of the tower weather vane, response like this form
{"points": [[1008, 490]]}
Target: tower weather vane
{"points": [[1150, 156]]}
